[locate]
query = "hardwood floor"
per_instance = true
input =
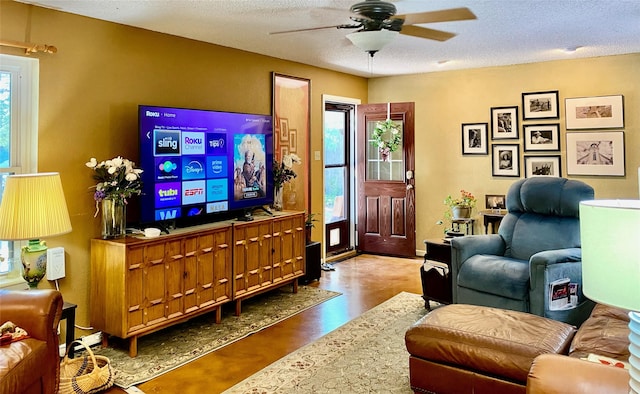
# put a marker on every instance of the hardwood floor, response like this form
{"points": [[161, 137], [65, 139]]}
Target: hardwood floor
{"points": [[364, 281]]}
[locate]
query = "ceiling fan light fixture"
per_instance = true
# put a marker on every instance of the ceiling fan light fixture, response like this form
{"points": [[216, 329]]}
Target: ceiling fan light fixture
{"points": [[372, 41]]}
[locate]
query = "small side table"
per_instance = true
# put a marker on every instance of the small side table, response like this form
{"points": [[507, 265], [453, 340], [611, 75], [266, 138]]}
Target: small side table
{"points": [[493, 217], [436, 278], [69, 314], [467, 223]]}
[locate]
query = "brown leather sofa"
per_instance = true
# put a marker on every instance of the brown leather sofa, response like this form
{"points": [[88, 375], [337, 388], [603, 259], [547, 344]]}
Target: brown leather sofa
{"points": [[605, 333], [463, 349], [31, 365]]}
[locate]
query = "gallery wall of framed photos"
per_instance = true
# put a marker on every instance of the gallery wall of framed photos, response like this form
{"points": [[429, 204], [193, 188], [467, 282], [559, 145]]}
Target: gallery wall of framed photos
{"points": [[593, 130]]}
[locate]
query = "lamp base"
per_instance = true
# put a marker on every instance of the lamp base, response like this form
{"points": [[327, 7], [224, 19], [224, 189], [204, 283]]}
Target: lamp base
{"points": [[34, 262], [634, 350]]}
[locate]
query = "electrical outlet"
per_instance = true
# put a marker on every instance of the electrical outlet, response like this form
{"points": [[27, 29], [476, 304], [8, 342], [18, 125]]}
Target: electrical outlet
{"points": [[55, 263]]}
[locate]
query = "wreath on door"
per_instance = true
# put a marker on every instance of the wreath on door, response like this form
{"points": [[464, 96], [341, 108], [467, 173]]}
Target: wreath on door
{"points": [[385, 147]]}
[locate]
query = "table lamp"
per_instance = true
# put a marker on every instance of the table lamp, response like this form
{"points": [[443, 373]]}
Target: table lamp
{"points": [[610, 235], [33, 207]]}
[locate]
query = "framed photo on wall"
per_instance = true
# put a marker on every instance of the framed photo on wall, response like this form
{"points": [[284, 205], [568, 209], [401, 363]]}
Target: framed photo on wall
{"points": [[505, 160], [603, 112], [474, 139], [504, 123], [542, 166], [595, 153], [540, 105], [541, 137]]}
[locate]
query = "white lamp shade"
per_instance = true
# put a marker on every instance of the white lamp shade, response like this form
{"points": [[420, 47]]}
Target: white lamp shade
{"points": [[33, 206], [372, 41], [610, 237]]}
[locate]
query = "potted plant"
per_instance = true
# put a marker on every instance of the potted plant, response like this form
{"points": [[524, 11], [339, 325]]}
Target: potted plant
{"points": [[461, 206], [309, 224]]}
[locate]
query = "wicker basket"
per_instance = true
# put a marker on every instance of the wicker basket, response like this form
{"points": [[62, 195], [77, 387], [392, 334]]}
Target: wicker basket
{"points": [[85, 375]]}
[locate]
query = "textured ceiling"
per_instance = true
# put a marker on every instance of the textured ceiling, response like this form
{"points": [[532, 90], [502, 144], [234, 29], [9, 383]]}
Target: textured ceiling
{"points": [[506, 31]]}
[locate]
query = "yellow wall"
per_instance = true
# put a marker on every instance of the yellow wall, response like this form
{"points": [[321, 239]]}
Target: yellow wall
{"points": [[445, 100], [90, 90]]}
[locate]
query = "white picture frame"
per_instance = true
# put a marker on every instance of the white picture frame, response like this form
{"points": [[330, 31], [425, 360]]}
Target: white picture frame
{"points": [[541, 137], [601, 112], [591, 153]]}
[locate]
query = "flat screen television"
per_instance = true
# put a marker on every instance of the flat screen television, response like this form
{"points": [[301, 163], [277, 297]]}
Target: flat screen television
{"points": [[202, 165]]}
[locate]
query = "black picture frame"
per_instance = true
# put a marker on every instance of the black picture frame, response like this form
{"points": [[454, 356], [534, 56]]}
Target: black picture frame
{"points": [[505, 160], [540, 105], [549, 166], [495, 201], [474, 139], [504, 123], [541, 137]]}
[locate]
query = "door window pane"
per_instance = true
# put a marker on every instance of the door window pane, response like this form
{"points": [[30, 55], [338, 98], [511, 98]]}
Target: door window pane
{"points": [[334, 138], [379, 169], [334, 194]]}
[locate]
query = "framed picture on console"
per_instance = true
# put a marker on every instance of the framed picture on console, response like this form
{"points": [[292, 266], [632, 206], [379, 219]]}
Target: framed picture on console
{"points": [[495, 201], [541, 137], [542, 166], [504, 123], [505, 160], [474, 139], [540, 105], [595, 153]]}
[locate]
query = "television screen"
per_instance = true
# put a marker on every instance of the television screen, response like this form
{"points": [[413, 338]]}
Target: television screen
{"points": [[200, 163]]}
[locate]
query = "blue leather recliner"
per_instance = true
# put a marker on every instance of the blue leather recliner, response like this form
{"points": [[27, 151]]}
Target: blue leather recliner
{"points": [[538, 242]]}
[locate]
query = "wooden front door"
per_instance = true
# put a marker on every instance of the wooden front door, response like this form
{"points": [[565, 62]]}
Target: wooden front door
{"points": [[386, 194]]}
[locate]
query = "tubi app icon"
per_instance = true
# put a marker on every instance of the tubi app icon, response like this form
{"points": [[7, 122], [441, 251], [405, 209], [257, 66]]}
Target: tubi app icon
{"points": [[167, 194]]}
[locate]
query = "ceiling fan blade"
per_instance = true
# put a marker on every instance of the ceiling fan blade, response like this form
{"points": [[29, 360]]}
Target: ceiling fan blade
{"points": [[423, 32], [453, 14], [316, 28]]}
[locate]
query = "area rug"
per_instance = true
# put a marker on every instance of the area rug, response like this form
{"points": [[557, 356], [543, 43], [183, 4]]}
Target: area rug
{"points": [[365, 355], [170, 348]]}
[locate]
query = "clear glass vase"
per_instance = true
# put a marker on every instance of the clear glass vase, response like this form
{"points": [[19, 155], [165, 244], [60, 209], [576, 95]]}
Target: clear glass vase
{"points": [[277, 199], [114, 218]]}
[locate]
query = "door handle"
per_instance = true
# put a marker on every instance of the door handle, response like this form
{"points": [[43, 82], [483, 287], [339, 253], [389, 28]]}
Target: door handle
{"points": [[409, 186]]}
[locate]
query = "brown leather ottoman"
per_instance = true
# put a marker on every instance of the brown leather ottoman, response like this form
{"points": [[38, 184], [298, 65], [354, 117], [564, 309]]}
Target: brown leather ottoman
{"points": [[474, 349]]}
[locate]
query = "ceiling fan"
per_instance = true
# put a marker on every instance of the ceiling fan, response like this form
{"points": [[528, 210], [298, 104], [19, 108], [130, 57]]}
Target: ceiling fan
{"points": [[378, 24]]}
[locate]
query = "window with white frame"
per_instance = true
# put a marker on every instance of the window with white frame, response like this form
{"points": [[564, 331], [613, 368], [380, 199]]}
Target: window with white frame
{"points": [[18, 139]]}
